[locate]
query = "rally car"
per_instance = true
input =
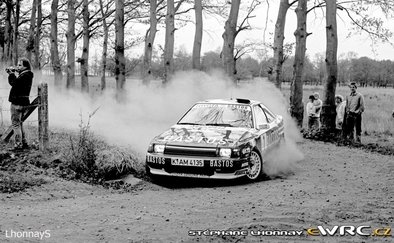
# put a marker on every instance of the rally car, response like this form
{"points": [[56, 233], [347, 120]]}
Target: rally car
{"points": [[218, 139]]}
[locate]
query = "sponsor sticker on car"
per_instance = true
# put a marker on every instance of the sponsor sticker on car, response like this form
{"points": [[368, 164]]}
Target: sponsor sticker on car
{"points": [[188, 162]]}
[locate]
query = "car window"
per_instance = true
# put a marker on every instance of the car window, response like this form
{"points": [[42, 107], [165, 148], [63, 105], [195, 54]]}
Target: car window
{"points": [[270, 116], [211, 114], [261, 119]]}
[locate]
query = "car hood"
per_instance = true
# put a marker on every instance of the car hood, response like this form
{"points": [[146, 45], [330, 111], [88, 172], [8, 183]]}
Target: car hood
{"points": [[205, 136]]}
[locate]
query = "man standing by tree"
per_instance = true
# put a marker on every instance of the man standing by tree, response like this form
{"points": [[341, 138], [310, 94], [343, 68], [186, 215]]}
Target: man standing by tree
{"points": [[354, 109]]}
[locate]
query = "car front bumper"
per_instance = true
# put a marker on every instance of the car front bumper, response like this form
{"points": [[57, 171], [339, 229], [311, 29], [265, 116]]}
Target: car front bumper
{"points": [[208, 167]]}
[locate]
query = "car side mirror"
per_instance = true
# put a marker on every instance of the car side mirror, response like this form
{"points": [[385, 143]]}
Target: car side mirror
{"points": [[264, 126]]}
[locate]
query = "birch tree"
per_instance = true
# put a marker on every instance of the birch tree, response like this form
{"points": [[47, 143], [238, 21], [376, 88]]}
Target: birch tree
{"points": [[328, 109], [55, 60], [296, 105], [120, 63], [196, 58]]}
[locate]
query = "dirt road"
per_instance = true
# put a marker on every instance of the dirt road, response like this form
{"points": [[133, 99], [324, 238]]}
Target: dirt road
{"points": [[331, 186]]}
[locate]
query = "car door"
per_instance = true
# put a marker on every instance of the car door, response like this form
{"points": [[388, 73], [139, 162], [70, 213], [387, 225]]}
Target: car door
{"points": [[262, 126], [273, 134]]}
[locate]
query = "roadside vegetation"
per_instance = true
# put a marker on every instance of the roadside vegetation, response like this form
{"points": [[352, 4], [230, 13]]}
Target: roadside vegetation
{"points": [[78, 156]]}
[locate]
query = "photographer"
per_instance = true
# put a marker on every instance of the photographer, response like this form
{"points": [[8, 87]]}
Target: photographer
{"points": [[20, 78]]}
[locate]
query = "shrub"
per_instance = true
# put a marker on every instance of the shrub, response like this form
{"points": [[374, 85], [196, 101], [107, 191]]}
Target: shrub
{"points": [[81, 156], [92, 160]]}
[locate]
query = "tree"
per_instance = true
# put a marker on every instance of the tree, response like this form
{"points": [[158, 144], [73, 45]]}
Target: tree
{"points": [[169, 41], [16, 31], [211, 60], [120, 62], [149, 40], [7, 57], [55, 60], [85, 49], [296, 105], [36, 63], [196, 62], [230, 32], [30, 42], [71, 39], [279, 37], [105, 44]]}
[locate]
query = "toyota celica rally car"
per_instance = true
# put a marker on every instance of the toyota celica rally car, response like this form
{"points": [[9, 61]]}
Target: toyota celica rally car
{"points": [[218, 139]]}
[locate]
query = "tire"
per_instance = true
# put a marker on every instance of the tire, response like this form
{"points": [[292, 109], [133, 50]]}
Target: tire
{"points": [[255, 171]]}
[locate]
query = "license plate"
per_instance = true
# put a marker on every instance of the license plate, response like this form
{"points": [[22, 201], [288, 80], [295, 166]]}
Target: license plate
{"points": [[188, 162]]}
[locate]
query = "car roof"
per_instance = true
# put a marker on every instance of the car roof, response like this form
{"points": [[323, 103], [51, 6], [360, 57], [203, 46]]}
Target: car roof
{"points": [[232, 101]]}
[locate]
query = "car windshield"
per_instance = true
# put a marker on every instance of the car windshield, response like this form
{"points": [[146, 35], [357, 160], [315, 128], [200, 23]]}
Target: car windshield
{"points": [[231, 115]]}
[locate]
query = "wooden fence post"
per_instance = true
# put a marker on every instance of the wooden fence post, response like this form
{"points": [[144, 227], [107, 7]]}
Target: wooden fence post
{"points": [[43, 137]]}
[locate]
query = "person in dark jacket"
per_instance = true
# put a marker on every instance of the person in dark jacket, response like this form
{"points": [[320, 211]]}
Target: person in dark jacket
{"points": [[21, 81]]}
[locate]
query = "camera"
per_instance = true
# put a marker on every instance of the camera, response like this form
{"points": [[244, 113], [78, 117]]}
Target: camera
{"points": [[11, 69]]}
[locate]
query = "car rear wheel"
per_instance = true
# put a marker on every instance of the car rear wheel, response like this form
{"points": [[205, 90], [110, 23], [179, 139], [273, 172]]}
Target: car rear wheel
{"points": [[255, 171]]}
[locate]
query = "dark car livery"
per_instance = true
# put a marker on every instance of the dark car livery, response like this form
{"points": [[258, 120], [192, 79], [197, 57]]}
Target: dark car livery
{"points": [[221, 139]]}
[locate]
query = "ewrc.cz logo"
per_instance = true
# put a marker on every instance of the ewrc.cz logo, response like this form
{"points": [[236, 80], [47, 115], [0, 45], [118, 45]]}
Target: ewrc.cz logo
{"points": [[349, 230]]}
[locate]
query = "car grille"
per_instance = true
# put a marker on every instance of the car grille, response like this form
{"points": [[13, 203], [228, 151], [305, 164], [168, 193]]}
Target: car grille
{"points": [[190, 151]]}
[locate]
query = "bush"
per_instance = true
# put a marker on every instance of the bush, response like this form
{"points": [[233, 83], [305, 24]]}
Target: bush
{"points": [[82, 154], [92, 160], [113, 163]]}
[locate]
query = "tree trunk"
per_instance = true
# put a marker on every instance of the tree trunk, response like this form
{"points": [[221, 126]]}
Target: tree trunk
{"points": [[16, 32], [30, 40], [105, 47], [56, 66], [278, 42], [120, 63], [230, 32], [149, 40], [85, 49], [169, 41], [196, 59], [329, 108], [71, 44], [36, 63], [296, 105], [7, 57]]}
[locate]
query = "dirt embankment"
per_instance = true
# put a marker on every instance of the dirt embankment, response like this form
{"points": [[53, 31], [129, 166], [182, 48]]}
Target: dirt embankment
{"points": [[330, 186]]}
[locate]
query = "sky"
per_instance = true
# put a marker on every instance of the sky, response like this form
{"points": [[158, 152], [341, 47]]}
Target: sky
{"points": [[213, 29]]}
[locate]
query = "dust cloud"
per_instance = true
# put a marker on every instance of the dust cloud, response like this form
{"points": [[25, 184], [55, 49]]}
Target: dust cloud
{"points": [[148, 111]]}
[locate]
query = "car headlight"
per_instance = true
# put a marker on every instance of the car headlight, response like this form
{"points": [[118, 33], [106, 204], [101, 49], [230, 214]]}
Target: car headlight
{"points": [[225, 152], [245, 151], [158, 148]]}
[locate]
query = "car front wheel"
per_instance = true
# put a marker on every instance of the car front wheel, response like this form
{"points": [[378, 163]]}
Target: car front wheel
{"points": [[255, 171]]}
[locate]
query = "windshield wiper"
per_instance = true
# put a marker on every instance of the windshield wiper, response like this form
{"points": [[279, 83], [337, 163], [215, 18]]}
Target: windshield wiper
{"points": [[219, 124]]}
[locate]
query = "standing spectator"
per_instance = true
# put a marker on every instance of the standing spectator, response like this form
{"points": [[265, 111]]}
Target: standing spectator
{"points": [[21, 81], [313, 123], [340, 109], [318, 103], [354, 109]]}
